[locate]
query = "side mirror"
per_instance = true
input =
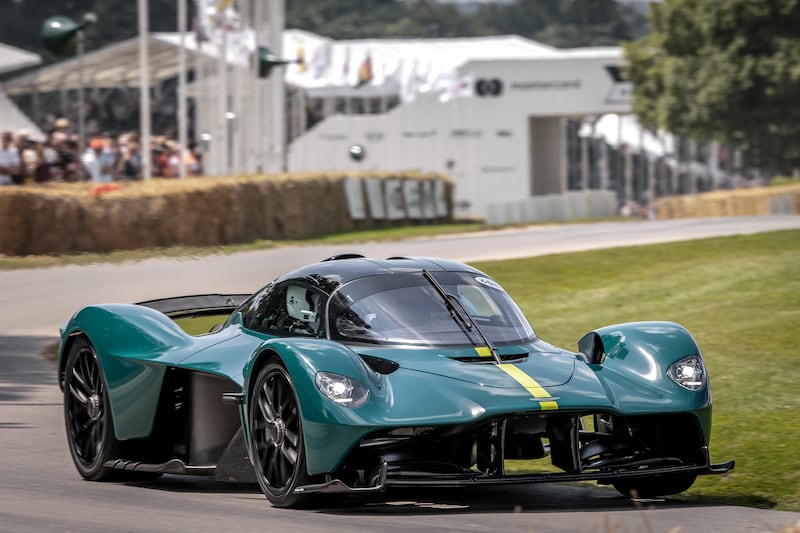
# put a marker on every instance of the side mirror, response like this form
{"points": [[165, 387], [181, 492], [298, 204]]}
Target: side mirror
{"points": [[592, 349]]}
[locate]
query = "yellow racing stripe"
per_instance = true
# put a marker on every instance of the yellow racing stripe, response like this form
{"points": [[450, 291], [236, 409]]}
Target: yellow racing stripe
{"points": [[483, 351], [530, 384]]}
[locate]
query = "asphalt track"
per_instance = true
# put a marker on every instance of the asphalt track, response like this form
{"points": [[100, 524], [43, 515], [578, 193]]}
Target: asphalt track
{"points": [[40, 490]]}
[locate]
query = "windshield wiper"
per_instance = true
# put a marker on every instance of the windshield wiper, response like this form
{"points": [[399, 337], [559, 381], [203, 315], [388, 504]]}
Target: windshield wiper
{"points": [[458, 312]]}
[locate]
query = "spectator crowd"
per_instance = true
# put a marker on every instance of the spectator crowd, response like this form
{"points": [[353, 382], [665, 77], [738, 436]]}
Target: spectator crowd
{"points": [[107, 158]]}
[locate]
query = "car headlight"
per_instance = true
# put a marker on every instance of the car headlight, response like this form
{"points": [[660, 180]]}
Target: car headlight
{"points": [[689, 372], [341, 389]]}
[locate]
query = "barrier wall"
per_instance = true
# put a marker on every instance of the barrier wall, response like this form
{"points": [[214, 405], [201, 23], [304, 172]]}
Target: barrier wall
{"points": [[549, 207], [784, 199], [57, 219]]}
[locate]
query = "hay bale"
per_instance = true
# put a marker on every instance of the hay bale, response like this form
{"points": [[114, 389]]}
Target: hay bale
{"points": [[73, 218]]}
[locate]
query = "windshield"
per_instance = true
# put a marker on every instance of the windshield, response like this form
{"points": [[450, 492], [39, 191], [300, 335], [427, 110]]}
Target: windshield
{"points": [[407, 309]]}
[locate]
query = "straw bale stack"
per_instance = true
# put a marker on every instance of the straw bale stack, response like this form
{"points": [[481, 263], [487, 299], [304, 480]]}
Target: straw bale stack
{"points": [[58, 219], [738, 202]]}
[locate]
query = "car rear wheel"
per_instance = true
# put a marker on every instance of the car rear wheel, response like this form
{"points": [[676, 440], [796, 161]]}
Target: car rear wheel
{"points": [[649, 487], [88, 420], [276, 437]]}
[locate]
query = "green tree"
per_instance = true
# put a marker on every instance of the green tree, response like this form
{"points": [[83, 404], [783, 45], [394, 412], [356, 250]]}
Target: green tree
{"points": [[566, 23], [726, 71], [360, 19]]}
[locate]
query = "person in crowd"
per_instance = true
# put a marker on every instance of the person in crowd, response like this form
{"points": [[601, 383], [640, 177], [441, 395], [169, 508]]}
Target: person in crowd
{"points": [[41, 172], [10, 162], [99, 161], [131, 163], [71, 168], [168, 160], [113, 145], [193, 160], [29, 154], [50, 160], [61, 125]]}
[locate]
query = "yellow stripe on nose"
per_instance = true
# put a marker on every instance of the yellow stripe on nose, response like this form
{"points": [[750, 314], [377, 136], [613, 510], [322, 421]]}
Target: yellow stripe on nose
{"points": [[483, 351], [530, 384]]}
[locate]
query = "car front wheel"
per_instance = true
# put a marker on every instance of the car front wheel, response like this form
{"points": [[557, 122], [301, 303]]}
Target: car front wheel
{"points": [[276, 437], [90, 428]]}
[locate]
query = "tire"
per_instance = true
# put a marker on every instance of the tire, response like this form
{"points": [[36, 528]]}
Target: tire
{"points": [[87, 416], [276, 438], [650, 487]]}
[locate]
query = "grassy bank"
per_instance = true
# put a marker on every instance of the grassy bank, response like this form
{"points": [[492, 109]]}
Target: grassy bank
{"points": [[740, 298]]}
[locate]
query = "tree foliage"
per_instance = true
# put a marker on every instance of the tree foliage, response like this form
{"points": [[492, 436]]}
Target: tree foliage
{"points": [[564, 23], [726, 71]]}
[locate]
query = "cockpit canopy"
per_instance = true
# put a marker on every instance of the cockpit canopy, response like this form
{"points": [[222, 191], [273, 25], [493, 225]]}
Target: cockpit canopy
{"points": [[407, 309], [399, 301]]}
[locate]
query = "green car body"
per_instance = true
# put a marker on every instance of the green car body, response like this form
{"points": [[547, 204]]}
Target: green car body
{"points": [[632, 407]]}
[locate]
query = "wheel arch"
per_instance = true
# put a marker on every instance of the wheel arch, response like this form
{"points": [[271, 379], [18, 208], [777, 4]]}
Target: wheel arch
{"points": [[633, 369], [128, 340]]}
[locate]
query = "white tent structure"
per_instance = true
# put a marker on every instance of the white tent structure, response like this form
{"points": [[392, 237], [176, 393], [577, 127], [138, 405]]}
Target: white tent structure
{"points": [[116, 65], [11, 118], [12, 58], [488, 111]]}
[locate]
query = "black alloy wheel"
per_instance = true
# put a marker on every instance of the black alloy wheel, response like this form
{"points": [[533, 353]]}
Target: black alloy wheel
{"points": [[276, 437], [90, 429]]}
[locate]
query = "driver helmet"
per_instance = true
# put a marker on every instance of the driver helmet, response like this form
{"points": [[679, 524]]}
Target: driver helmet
{"points": [[299, 304]]}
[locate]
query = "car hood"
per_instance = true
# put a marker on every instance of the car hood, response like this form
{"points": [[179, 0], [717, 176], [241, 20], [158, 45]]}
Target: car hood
{"points": [[547, 365]]}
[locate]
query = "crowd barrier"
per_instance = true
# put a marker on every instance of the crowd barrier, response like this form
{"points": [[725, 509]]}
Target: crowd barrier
{"points": [[55, 219]]}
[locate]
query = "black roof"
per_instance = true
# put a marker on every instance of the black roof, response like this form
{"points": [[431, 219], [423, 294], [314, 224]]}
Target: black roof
{"points": [[338, 270]]}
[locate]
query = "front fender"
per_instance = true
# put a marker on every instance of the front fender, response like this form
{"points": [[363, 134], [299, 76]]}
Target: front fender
{"points": [[303, 358], [125, 338], [632, 366]]}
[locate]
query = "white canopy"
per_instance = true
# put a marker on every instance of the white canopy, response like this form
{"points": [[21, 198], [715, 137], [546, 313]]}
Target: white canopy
{"points": [[11, 118], [12, 58], [336, 68], [115, 65]]}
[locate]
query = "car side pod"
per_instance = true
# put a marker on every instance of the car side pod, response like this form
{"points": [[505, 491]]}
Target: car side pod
{"points": [[336, 486]]}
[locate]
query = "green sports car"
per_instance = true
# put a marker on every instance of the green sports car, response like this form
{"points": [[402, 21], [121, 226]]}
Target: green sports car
{"points": [[354, 375]]}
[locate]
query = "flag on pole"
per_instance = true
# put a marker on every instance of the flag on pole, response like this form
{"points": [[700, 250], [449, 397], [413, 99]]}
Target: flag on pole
{"points": [[365, 71], [346, 64], [459, 87], [218, 17], [301, 58]]}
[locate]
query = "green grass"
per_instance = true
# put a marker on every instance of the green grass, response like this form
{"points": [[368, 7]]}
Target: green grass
{"points": [[740, 298], [202, 324]]}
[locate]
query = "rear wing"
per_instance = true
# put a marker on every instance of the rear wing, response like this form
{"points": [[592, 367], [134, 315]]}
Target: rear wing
{"points": [[203, 304]]}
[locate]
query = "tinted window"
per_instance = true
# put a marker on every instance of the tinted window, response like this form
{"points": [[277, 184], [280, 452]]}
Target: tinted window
{"points": [[286, 309]]}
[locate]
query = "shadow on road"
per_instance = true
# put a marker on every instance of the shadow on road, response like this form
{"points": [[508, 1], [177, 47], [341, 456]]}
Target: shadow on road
{"points": [[22, 366], [537, 498]]}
